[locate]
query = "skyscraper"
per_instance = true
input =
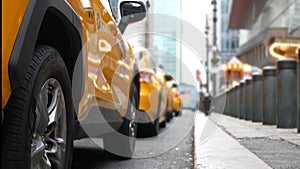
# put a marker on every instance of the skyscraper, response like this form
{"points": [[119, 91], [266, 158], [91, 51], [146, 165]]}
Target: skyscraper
{"points": [[167, 33], [228, 38]]}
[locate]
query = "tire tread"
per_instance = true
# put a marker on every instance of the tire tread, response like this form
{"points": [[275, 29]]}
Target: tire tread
{"points": [[15, 153]]}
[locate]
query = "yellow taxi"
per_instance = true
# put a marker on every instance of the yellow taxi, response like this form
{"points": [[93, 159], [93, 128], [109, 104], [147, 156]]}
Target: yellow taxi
{"points": [[67, 73], [168, 94], [150, 94], [176, 98]]}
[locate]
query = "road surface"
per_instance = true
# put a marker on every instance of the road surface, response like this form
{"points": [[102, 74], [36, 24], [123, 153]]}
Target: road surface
{"points": [[172, 148]]}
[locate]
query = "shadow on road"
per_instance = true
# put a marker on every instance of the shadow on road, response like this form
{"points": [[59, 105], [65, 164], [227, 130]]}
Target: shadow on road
{"points": [[90, 158]]}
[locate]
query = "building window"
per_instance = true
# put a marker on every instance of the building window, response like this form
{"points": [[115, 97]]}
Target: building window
{"points": [[227, 44], [232, 44]]}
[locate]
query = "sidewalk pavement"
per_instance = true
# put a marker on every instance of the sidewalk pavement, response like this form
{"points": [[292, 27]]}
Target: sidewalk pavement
{"points": [[241, 129], [214, 148]]}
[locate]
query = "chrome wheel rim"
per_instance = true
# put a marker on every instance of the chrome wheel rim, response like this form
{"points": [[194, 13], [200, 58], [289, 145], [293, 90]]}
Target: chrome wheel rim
{"points": [[48, 145]]}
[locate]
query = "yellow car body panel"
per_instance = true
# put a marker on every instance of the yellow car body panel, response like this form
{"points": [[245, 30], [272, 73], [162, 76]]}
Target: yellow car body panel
{"points": [[150, 88], [149, 100], [167, 94], [109, 68], [12, 16], [176, 96], [176, 100], [109, 63], [170, 100]]}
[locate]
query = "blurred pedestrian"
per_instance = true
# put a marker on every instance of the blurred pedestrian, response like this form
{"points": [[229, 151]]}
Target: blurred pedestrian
{"points": [[206, 103]]}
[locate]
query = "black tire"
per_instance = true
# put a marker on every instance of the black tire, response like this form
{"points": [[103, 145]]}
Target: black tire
{"points": [[163, 124], [178, 113], [169, 116], [168, 119], [120, 144], [148, 129], [20, 111]]}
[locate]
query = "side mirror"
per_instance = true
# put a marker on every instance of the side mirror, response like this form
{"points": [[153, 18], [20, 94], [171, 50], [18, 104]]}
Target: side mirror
{"points": [[131, 11]]}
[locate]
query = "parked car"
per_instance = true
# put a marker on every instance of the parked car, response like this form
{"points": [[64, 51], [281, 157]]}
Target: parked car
{"points": [[176, 99], [151, 101], [167, 94], [189, 96], [169, 81], [45, 44]]}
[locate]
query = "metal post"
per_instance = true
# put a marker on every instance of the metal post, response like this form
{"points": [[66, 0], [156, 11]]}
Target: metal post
{"points": [[298, 92], [269, 95], [207, 56], [286, 93], [242, 100], [237, 96], [257, 98], [226, 103], [214, 59], [233, 101], [214, 3], [248, 103]]}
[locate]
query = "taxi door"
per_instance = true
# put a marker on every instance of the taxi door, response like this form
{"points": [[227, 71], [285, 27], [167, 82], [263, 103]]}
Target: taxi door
{"points": [[106, 68]]}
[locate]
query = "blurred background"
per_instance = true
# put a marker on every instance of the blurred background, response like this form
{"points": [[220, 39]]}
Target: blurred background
{"points": [[238, 38]]}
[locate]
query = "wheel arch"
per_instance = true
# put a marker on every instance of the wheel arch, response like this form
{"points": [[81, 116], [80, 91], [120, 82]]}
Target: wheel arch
{"points": [[31, 32], [64, 38], [38, 27]]}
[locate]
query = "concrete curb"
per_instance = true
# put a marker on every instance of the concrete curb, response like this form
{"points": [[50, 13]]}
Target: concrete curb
{"points": [[195, 145], [221, 150], [196, 139]]}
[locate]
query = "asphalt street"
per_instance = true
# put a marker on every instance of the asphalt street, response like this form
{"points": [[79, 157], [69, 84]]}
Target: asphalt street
{"points": [[172, 148]]}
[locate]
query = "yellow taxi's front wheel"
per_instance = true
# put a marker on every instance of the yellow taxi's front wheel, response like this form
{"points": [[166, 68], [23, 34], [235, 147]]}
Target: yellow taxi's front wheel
{"points": [[178, 113], [38, 120]]}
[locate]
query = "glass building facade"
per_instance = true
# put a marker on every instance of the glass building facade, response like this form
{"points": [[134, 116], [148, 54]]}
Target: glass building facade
{"points": [[228, 38], [275, 18], [278, 14], [165, 42]]}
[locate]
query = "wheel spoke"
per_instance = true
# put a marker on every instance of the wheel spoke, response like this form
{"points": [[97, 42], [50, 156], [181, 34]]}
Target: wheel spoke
{"points": [[56, 151], [49, 138], [45, 162], [56, 106], [39, 159], [41, 112]]}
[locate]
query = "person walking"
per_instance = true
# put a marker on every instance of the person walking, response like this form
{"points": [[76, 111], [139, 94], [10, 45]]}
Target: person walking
{"points": [[206, 103]]}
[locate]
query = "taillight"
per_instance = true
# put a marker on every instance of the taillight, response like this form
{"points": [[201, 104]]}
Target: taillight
{"points": [[145, 77], [141, 80]]}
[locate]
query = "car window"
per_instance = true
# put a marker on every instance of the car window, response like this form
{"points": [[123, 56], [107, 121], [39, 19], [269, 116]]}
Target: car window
{"points": [[114, 6], [141, 55], [151, 59], [107, 5]]}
